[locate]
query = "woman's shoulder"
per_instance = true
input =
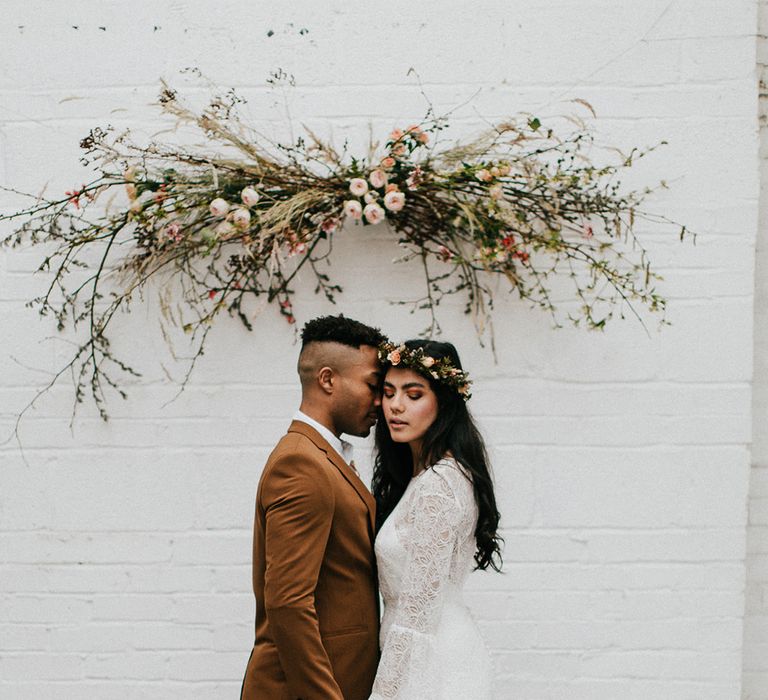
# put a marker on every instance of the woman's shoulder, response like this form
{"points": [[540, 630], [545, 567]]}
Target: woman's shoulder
{"points": [[451, 472]]}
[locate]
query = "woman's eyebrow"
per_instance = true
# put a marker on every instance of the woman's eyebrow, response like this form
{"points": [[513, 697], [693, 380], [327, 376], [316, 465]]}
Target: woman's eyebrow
{"points": [[410, 385]]}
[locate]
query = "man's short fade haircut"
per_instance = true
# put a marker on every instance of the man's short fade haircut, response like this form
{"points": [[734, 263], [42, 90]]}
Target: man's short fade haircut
{"points": [[339, 329]]}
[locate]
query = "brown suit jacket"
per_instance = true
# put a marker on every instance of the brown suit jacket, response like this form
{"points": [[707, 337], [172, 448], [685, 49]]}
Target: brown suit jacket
{"points": [[314, 577]]}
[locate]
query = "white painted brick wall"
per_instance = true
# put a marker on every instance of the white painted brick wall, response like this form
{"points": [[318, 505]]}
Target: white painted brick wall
{"points": [[756, 614], [622, 461]]}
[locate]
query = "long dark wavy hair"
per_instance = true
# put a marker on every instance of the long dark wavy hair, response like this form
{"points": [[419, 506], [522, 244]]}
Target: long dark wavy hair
{"points": [[453, 431]]}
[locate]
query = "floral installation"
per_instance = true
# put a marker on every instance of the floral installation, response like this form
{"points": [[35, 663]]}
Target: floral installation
{"points": [[227, 227], [441, 370]]}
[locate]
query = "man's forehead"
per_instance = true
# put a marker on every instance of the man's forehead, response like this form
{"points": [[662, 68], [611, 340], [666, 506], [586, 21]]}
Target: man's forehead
{"points": [[369, 357]]}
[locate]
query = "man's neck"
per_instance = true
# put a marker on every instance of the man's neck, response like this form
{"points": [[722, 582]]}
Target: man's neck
{"points": [[320, 416]]}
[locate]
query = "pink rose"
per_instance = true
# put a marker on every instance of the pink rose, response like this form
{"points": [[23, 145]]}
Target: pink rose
{"points": [[415, 178], [483, 175], [330, 224], [423, 137], [378, 178], [394, 357], [394, 201], [353, 209], [396, 135], [388, 162], [358, 186], [373, 213], [173, 232]]}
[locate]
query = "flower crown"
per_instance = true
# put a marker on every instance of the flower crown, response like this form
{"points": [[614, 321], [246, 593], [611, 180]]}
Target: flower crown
{"points": [[441, 370]]}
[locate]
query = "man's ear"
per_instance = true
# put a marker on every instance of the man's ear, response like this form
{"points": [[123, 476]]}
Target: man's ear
{"points": [[325, 379]]}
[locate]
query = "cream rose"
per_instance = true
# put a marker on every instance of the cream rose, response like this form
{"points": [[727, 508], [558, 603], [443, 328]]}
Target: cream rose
{"points": [[241, 218], [394, 201], [373, 213], [358, 186], [378, 178], [353, 209], [219, 207], [249, 196]]}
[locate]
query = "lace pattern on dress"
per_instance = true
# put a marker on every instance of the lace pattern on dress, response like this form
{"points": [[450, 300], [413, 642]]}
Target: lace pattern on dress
{"points": [[435, 524]]}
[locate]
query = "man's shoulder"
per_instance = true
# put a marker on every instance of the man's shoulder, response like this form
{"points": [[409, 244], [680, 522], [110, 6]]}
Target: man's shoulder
{"points": [[295, 443], [296, 465], [294, 453]]}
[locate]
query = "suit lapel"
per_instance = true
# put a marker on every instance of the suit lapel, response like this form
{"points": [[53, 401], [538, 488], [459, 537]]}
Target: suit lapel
{"points": [[346, 471]]}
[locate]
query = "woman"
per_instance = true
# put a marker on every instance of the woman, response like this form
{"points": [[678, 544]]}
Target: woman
{"points": [[436, 521]]}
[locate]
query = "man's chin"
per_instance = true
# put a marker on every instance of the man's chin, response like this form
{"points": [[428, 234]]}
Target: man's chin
{"points": [[364, 430]]}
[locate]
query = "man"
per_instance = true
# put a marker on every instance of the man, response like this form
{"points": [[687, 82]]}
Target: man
{"points": [[314, 568]]}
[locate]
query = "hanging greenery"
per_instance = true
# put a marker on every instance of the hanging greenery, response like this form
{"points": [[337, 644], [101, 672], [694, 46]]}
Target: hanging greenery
{"points": [[239, 218]]}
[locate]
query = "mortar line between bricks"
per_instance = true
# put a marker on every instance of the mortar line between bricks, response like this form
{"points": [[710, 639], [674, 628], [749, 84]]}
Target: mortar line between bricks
{"points": [[713, 86], [597, 386], [238, 531], [416, 88], [161, 449], [335, 118]]}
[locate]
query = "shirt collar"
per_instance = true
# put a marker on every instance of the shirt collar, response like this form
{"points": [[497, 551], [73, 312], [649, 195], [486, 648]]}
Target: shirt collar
{"points": [[343, 448]]}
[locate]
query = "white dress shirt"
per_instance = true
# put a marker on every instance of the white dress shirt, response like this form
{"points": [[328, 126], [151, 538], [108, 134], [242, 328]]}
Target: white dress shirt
{"points": [[343, 448]]}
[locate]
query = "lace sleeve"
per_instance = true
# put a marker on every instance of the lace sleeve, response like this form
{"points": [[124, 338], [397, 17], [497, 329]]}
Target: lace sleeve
{"points": [[437, 516]]}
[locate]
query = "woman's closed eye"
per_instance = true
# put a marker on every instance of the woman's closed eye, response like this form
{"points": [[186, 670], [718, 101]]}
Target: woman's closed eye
{"points": [[413, 395]]}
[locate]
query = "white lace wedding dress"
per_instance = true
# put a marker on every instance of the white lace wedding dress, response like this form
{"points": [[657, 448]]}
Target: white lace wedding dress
{"points": [[431, 648]]}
